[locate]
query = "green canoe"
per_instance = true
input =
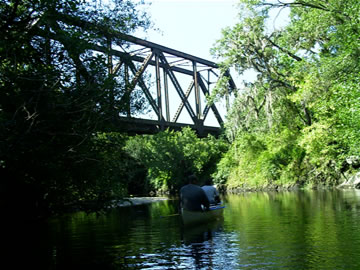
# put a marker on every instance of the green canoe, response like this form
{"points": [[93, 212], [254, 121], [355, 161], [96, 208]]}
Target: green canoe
{"points": [[192, 217]]}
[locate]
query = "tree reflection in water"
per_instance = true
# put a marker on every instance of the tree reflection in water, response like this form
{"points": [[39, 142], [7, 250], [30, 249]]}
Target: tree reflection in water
{"points": [[279, 230]]}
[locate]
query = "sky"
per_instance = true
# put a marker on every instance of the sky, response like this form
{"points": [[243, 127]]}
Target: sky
{"points": [[193, 26], [190, 26]]}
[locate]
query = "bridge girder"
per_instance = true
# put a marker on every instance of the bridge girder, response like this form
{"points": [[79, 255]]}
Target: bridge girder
{"points": [[170, 68], [167, 62]]}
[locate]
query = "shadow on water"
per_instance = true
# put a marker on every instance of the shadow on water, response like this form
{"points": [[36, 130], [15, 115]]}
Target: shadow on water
{"points": [[284, 230]]}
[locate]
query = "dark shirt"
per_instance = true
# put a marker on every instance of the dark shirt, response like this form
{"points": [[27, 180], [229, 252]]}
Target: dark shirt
{"points": [[212, 194], [192, 197]]}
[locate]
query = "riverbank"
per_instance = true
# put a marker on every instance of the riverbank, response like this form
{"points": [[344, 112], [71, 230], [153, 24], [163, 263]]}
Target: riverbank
{"points": [[138, 201], [352, 183], [248, 188]]}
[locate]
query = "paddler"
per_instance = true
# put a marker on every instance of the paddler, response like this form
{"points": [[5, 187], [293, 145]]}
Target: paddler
{"points": [[193, 197]]}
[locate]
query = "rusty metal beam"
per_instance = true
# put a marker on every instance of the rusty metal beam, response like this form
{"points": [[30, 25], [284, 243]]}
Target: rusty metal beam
{"points": [[116, 69], [144, 88], [187, 94], [140, 71], [178, 88]]}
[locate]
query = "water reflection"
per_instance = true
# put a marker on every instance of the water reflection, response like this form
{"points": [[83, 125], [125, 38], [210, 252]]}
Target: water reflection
{"points": [[296, 230], [201, 242], [288, 230]]}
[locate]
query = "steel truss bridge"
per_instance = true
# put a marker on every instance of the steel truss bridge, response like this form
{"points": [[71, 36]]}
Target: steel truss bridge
{"points": [[179, 78], [169, 64]]}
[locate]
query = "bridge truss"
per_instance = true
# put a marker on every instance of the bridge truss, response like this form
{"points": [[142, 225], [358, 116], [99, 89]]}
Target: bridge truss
{"points": [[181, 80], [171, 66]]}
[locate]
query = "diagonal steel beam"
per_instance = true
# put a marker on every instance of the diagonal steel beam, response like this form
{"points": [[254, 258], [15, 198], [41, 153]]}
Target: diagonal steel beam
{"points": [[178, 88], [116, 69], [187, 94], [140, 72], [144, 88]]}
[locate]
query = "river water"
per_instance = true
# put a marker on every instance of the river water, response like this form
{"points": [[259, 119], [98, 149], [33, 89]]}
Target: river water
{"points": [[272, 230]]}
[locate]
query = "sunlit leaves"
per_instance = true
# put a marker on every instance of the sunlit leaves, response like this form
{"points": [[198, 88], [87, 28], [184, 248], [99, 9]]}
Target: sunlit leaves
{"points": [[170, 156], [311, 69]]}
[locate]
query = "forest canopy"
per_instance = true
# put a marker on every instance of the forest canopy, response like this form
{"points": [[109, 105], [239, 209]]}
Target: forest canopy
{"points": [[298, 121]]}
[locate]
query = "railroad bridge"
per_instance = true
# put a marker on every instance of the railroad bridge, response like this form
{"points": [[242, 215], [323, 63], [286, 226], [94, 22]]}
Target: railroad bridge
{"points": [[177, 94], [184, 71]]}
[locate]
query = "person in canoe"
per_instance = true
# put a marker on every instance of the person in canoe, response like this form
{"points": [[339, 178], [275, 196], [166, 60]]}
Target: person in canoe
{"points": [[193, 197], [211, 192]]}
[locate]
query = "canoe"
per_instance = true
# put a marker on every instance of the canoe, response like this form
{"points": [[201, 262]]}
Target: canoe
{"points": [[192, 217]]}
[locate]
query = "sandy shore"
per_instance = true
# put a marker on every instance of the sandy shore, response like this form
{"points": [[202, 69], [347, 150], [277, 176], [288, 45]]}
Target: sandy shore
{"points": [[139, 200]]}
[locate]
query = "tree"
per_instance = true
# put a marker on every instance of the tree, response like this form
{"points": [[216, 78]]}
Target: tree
{"points": [[56, 96], [169, 157], [305, 87]]}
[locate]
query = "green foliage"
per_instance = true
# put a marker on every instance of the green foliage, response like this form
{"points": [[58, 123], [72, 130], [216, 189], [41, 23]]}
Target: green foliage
{"points": [[257, 160], [170, 156], [303, 107]]}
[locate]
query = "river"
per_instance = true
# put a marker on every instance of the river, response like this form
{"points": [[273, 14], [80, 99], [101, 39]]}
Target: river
{"points": [[260, 230]]}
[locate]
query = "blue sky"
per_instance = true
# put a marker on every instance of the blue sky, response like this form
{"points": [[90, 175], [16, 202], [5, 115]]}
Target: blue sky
{"points": [[191, 26]]}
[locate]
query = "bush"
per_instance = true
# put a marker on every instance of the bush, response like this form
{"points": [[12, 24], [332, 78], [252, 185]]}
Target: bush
{"points": [[170, 156]]}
